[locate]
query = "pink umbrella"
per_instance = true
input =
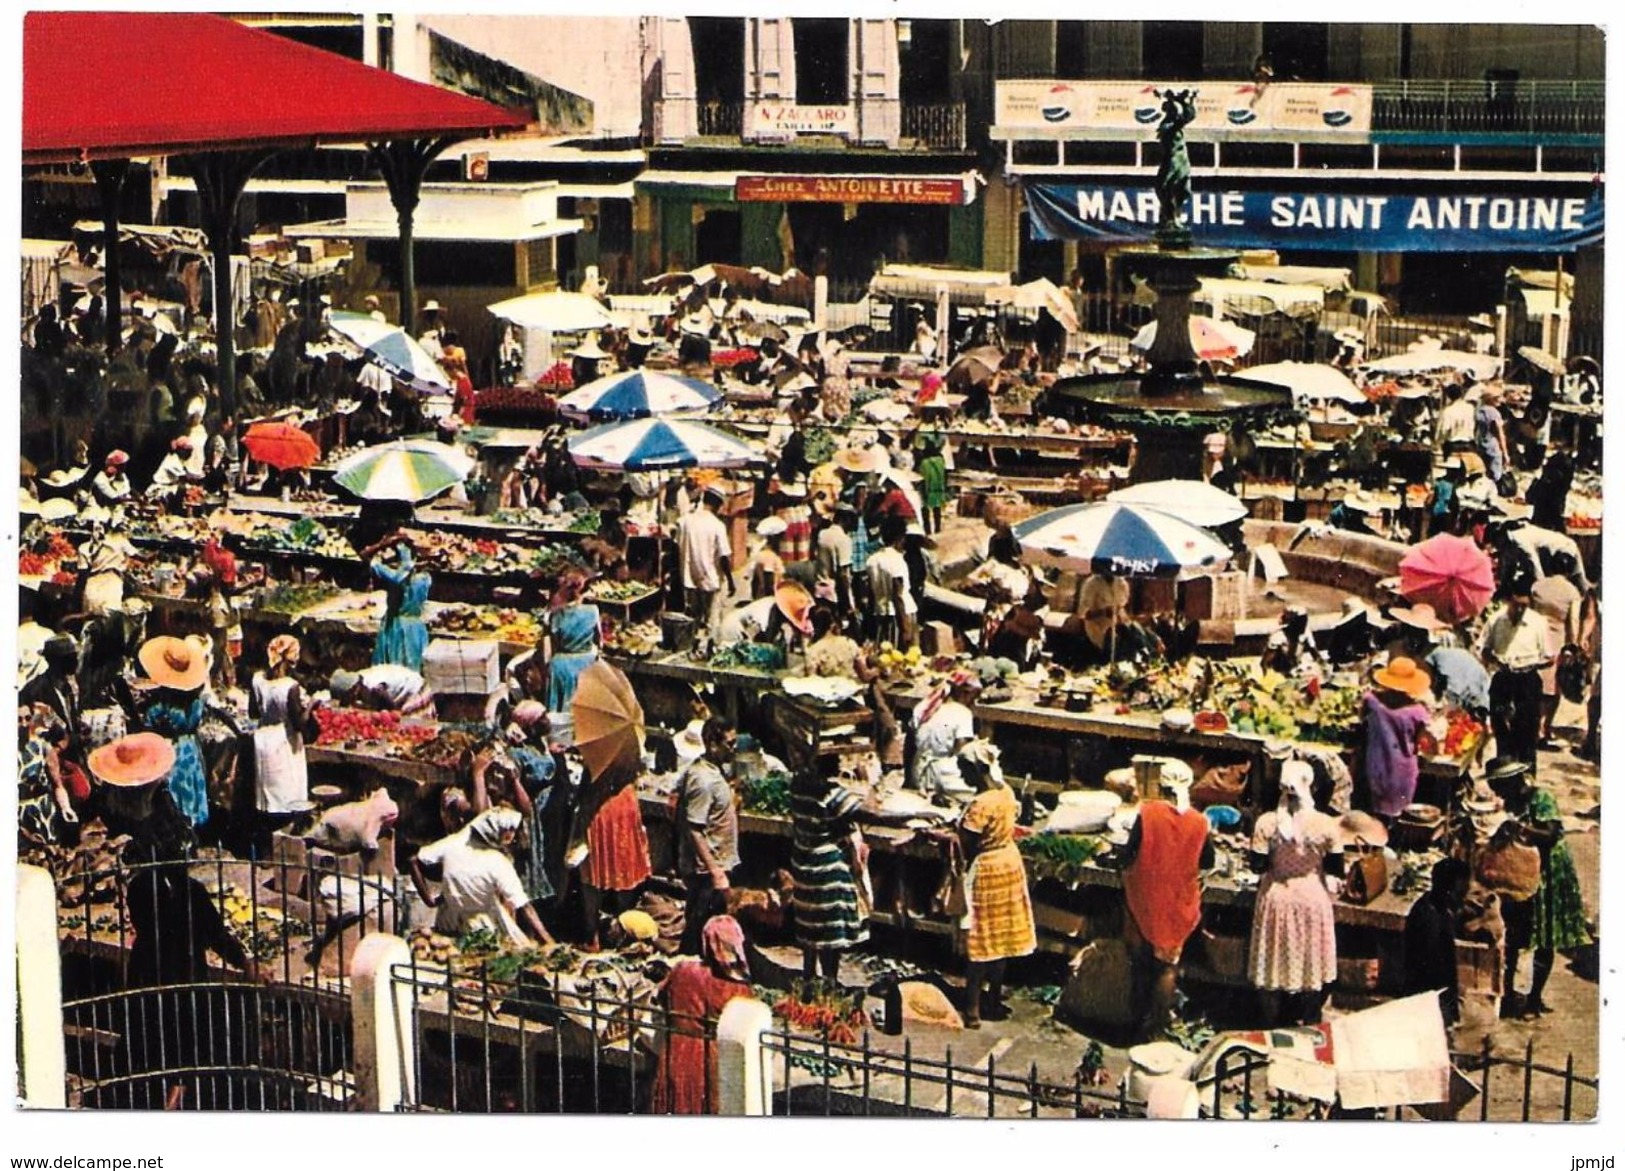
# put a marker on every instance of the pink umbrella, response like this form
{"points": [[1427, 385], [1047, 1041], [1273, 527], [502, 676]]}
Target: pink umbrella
{"points": [[1213, 340], [1451, 574]]}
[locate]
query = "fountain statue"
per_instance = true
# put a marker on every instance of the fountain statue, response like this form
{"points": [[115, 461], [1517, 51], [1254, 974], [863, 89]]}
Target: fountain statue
{"points": [[1174, 175], [1174, 404]]}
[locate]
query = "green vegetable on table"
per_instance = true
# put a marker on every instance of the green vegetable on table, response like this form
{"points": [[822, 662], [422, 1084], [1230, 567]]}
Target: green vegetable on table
{"points": [[1062, 857], [769, 794]]}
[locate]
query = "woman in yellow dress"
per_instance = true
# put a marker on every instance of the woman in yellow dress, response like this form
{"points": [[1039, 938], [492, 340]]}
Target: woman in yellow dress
{"points": [[1001, 909]]}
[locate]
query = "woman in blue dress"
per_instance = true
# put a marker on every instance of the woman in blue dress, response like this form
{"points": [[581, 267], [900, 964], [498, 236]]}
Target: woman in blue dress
{"points": [[179, 667], [573, 640], [402, 635]]}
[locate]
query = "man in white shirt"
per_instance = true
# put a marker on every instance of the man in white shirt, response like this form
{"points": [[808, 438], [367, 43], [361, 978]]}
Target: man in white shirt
{"points": [[478, 879], [834, 555], [1515, 649], [706, 556], [1457, 428], [889, 583], [384, 687]]}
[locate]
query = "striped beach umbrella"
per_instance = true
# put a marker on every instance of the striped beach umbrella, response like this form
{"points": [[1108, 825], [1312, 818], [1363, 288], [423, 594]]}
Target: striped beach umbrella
{"points": [[393, 348], [409, 470], [1195, 501], [638, 394], [1123, 539], [653, 444]]}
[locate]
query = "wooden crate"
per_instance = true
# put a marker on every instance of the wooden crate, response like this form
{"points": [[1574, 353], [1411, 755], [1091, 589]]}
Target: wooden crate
{"points": [[1213, 596]]}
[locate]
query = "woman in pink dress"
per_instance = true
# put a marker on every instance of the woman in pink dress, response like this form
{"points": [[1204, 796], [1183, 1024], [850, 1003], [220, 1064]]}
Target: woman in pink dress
{"points": [[695, 994], [1293, 952]]}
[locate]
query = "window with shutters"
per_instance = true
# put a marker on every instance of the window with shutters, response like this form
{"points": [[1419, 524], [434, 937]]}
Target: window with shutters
{"points": [[822, 67]]}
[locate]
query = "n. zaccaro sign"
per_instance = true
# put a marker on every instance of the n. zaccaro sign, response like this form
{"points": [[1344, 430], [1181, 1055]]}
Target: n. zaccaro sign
{"points": [[1457, 218], [776, 118]]}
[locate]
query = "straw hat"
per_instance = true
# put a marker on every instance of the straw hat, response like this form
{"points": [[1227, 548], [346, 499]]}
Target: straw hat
{"points": [[795, 603], [794, 489], [431, 306], [640, 337], [1360, 501], [133, 761], [179, 663], [588, 349], [1356, 827], [640, 925], [1505, 768], [857, 459], [1402, 674], [1421, 616]]}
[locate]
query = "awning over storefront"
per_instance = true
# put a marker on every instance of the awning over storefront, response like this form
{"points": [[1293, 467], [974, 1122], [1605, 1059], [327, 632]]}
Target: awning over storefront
{"points": [[475, 212], [922, 282]]}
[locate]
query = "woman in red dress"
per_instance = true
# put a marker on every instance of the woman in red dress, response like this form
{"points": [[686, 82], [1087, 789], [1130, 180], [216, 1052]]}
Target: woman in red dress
{"points": [[617, 860], [695, 994]]}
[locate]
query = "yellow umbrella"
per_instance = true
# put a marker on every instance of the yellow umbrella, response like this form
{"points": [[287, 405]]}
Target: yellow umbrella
{"points": [[608, 724]]}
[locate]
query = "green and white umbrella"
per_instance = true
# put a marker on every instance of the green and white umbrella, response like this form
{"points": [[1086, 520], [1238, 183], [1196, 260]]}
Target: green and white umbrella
{"points": [[409, 470]]}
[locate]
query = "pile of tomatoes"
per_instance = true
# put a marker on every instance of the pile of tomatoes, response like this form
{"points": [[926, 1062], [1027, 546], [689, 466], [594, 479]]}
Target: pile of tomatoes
{"points": [[842, 1024], [338, 725]]}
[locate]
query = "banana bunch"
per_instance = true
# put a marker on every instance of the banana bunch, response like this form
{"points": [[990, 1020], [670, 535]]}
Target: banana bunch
{"points": [[898, 662], [239, 909]]}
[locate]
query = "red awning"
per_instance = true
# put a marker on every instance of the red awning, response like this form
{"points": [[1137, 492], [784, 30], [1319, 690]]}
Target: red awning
{"points": [[126, 84]]}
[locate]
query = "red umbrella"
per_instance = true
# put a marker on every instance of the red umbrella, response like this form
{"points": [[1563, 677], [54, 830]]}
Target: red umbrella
{"points": [[282, 445], [1451, 574]]}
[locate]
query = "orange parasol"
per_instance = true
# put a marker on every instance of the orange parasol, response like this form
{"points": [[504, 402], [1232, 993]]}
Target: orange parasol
{"points": [[282, 445], [608, 724]]}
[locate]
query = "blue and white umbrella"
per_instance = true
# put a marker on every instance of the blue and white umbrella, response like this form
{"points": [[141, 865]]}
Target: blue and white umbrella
{"points": [[1115, 538], [393, 348], [655, 444], [638, 394], [1195, 501]]}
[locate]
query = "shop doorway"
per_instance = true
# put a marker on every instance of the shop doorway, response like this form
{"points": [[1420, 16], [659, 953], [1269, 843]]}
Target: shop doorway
{"points": [[716, 237]]}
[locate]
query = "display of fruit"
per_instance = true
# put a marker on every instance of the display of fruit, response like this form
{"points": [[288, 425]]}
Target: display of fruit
{"points": [[728, 359], [519, 399], [558, 377], [899, 663], [639, 640], [305, 535], [295, 598], [43, 557], [618, 591], [818, 1010], [1463, 734], [340, 725]]}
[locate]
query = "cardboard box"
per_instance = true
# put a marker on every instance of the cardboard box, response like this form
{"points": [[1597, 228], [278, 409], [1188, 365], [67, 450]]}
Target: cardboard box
{"points": [[462, 666], [1213, 596], [938, 638]]}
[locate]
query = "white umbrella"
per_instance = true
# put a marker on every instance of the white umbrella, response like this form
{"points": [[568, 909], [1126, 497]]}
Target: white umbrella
{"points": [[1308, 380], [556, 311], [1189, 500], [652, 444], [1423, 361], [636, 394], [1038, 294], [1124, 539], [391, 347], [1212, 338]]}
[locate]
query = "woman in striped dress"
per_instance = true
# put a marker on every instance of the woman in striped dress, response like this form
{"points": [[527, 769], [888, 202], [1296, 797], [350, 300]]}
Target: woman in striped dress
{"points": [[826, 862], [1001, 909]]}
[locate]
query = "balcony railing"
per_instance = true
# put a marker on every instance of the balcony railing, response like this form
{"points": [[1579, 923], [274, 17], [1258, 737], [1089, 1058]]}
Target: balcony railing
{"points": [[720, 119], [934, 127], [1490, 107]]}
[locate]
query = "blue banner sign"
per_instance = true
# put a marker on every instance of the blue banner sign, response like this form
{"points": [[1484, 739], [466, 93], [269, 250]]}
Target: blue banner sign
{"points": [[1449, 220]]}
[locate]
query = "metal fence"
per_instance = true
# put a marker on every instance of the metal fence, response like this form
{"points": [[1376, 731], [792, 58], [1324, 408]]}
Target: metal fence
{"points": [[1490, 105], [546, 1044], [935, 127], [151, 1021]]}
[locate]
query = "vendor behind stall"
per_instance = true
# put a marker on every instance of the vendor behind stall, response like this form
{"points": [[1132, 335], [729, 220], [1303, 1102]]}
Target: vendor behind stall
{"points": [[383, 687], [478, 882], [944, 726]]}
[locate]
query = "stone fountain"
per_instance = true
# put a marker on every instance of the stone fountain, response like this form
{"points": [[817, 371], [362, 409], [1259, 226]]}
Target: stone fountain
{"points": [[1173, 405]]}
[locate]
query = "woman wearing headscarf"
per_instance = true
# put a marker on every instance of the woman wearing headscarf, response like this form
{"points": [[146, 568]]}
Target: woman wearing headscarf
{"points": [[573, 640], [526, 736], [1001, 910], [1293, 950], [695, 993], [179, 669], [478, 883], [402, 635], [275, 699]]}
